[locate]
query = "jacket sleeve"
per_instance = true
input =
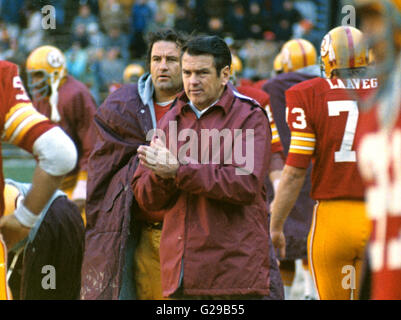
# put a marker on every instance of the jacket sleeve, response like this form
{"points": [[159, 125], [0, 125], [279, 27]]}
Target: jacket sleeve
{"points": [[118, 135], [151, 192], [84, 111], [237, 183]]}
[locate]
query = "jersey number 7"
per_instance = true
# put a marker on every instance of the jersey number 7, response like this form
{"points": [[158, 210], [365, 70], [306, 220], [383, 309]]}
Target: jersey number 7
{"points": [[345, 154]]}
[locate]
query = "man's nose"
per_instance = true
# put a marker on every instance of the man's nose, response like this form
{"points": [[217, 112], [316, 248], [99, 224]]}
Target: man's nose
{"points": [[163, 64], [194, 79]]}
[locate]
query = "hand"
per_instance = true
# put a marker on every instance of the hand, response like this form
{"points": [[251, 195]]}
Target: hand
{"points": [[278, 240], [159, 159], [12, 230]]}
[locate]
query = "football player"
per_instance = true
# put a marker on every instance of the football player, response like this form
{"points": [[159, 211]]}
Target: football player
{"points": [[26, 128], [57, 239], [298, 63], [277, 65], [68, 103], [379, 146], [323, 118]]}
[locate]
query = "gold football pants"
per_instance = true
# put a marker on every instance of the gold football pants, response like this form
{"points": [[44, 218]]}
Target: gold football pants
{"points": [[336, 244], [147, 265]]}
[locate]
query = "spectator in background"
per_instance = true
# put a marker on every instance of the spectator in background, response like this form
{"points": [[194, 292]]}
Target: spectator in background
{"points": [[112, 14], [238, 22], [79, 34], [256, 21], [4, 41], [216, 26], [32, 36], [111, 68], [96, 38], [286, 19], [11, 12], [169, 8], [119, 41], [84, 17], [77, 59], [141, 15], [184, 19]]}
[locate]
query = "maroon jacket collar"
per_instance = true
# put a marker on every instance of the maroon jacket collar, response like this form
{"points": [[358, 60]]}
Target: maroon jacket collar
{"points": [[225, 102]]}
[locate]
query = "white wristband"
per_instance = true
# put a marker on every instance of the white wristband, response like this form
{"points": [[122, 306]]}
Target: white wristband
{"points": [[25, 217]]}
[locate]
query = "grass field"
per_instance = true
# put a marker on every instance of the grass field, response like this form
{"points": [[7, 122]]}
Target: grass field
{"points": [[17, 164]]}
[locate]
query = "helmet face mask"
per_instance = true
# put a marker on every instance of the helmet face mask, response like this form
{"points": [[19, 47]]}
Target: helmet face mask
{"points": [[38, 84]]}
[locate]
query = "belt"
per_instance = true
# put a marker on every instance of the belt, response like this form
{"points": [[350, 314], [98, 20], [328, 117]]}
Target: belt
{"points": [[154, 225]]}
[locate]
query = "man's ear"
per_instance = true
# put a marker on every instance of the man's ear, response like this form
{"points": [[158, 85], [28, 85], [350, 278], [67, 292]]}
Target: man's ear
{"points": [[225, 75]]}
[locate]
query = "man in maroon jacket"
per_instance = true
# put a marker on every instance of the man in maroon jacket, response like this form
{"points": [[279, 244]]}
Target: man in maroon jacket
{"points": [[121, 258], [214, 241]]}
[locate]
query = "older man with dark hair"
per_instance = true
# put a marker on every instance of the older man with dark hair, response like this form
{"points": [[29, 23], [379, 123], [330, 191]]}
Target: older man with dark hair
{"points": [[214, 241], [122, 245]]}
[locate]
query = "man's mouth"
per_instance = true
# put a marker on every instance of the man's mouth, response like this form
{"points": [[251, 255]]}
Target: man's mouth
{"points": [[163, 77], [195, 91]]}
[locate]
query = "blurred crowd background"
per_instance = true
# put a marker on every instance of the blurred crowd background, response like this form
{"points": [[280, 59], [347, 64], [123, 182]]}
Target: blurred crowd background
{"points": [[101, 37]]}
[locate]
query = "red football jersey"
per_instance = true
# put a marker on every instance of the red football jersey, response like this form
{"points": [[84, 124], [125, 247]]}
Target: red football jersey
{"points": [[322, 115], [263, 99], [20, 123], [379, 158]]}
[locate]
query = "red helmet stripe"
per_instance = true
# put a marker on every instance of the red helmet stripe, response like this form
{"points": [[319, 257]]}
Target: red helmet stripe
{"points": [[351, 48], [303, 52]]}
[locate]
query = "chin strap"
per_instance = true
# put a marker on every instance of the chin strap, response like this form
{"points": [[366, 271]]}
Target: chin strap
{"points": [[55, 115]]}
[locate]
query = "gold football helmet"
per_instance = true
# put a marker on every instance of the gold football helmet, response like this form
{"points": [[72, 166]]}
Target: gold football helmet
{"points": [[46, 67], [297, 54], [11, 197], [132, 73], [277, 66], [236, 65], [343, 48], [235, 68]]}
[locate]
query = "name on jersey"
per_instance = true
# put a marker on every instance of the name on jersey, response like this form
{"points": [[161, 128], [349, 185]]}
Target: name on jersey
{"points": [[352, 83]]}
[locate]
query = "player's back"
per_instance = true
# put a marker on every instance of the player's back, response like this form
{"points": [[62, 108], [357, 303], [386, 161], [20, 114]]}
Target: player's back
{"points": [[323, 116]]}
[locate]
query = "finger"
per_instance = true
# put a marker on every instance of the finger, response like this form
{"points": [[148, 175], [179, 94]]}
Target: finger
{"points": [[142, 149], [148, 165], [150, 155], [282, 252], [160, 143]]}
